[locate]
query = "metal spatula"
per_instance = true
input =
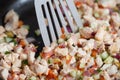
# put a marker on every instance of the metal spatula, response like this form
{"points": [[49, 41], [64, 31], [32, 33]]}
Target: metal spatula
{"points": [[55, 13]]}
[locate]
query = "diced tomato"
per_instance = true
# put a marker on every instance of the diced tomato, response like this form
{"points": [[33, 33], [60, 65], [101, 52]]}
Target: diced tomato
{"points": [[102, 78], [63, 31], [94, 53], [63, 36], [22, 43], [68, 59], [20, 23], [47, 54], [78, 4], [51, 75]]}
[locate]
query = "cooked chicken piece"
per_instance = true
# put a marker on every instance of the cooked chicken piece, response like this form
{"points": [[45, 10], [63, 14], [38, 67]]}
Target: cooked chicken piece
{"points": [[41, 68], [116, 19], [108, 3], [99, 61], [90, 62], [22, 76], [105, 66], [112, 70], [2, 29], [21, 32], [87, 9], [6, 47], [11, 58], [73, 40], [4, 64], [114, 48], [4, 74], [31, 57], [108, 38], [86, 32], [23, 56], [11, 20], [27, 71], [100, 34], [73, 50], [81, 52], [106, 75], [73, 60], [61, 51], [89, 45], [17, 63]]}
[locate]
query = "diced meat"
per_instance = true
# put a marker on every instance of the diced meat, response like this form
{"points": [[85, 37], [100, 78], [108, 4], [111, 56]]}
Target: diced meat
{"points": [[61, 51], [2, 29], [11, 20], [4, 74], [99, 61], [31, 57]]}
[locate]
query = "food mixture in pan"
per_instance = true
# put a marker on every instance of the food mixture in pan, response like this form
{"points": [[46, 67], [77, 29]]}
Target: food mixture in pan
{"points": [[93, 53]]}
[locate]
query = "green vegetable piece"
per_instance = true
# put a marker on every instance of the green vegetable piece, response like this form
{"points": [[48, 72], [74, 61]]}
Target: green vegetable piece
{"points": [[37, 32], [26, 27], [9, 34], [73, 73], [33, 78], [8, 39], [104, 55], [108, 60], [7, 52], [96, 1], [25, 62]]}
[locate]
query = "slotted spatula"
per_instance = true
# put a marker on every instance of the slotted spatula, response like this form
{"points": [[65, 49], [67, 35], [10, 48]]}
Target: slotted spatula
{"points": [[54, 12]]}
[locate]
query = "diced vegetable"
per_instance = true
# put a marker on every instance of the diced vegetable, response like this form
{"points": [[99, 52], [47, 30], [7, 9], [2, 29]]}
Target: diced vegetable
{"points": [[96, 76], [26, 27], [9, 34], [33, 78], [60, 77], [104, 55], [82, 65], [37, 32], [8, 39], [25, 62], [60, 40], [96, 15], [73, 73], [108, 60], [7, 52]]}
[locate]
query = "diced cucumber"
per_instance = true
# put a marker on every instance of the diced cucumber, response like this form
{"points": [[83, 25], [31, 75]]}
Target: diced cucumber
{"points": [[82, 65], [37, 32], [8, 39], [33, 78], [104, 55], [96, 76], [96, 14], [73, 73], [26, 27], [60, 40], [60, 77], [108, 60]]}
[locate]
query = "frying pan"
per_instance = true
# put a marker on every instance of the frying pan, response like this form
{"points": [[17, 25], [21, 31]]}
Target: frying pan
{"points": [[26, 11]]}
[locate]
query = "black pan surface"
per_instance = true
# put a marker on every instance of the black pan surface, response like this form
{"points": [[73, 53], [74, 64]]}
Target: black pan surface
{"points": [[26, 11]]}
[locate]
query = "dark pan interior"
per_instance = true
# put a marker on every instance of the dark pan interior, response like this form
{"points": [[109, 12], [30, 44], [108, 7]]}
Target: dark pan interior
{"points": [[26, 11]]}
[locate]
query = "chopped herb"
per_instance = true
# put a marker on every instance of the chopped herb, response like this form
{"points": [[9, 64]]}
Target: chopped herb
{"points": [[14, 41], [26, 27], [96, 1], [25, 62], [99, 70], [37, 32], [107, 28], [7, 52]]}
